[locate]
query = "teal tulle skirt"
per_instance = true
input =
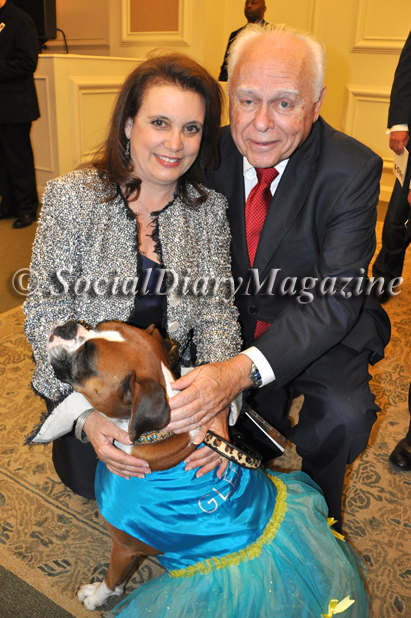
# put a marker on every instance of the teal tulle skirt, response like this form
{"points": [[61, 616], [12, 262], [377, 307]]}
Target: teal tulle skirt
{"points": [[297, 568]]}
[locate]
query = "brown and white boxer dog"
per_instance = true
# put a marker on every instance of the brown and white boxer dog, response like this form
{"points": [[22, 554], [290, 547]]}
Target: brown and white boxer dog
{"points": [[123, 372]]}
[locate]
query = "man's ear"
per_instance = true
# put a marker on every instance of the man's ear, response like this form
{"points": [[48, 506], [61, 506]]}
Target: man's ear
{"points": [[317, 105], [149, 409], [127, 127]]}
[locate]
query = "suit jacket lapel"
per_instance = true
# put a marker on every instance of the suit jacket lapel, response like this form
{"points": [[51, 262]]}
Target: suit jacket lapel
{"points": [[229, 180], [289, 197]]}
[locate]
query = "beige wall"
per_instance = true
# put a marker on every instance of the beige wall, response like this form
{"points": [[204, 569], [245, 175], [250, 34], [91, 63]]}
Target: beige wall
{"points": [[363, 40]]}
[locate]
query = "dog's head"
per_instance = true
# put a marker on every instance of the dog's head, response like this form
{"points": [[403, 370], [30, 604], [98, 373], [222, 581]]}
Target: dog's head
{"points": [[120, 369]]}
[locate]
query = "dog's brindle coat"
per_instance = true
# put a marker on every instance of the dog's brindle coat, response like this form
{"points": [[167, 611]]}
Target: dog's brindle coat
{"points": [[122, 371]]}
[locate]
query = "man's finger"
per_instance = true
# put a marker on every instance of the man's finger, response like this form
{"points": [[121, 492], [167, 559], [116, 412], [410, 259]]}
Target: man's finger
{"points": [[183, 398], [202, 456], [222, 467], [201, 434], [182, 427], [189, 419], [207, 468], [184, 381]]}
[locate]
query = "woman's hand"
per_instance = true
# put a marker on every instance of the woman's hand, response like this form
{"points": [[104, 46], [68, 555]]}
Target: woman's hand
{"points": [[102, 432], [205, 458]]}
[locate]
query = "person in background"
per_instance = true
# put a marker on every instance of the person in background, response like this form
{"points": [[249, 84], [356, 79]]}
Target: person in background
{"points": [[401, 455], [396, 233], [19, 47], [254, 12]]}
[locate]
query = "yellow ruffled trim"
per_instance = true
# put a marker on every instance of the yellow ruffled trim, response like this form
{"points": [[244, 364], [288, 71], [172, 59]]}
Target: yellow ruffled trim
{"points": [[250, 552], [331, 521], [336, 607]]}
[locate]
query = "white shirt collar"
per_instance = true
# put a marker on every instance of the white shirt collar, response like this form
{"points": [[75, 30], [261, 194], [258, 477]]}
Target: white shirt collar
{"points": [[249, 170]]}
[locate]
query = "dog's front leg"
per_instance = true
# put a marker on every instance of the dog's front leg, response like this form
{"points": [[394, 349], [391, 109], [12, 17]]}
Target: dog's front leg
{"points": [[127, 554], [96, 594]]}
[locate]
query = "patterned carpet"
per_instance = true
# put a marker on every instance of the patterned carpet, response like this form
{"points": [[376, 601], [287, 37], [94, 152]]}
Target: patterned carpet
{"points": [[54, 540]]}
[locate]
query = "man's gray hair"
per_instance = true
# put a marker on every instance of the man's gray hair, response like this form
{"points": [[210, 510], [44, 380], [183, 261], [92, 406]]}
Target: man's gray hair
{"points": [[315, 49]]}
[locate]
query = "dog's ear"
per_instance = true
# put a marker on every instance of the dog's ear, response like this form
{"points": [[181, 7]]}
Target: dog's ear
{"points": [[62, 363], [166, 343], [149, 410]]}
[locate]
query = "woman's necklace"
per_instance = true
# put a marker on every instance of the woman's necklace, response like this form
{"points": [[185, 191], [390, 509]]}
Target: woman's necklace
{"points": [[150, 215]]}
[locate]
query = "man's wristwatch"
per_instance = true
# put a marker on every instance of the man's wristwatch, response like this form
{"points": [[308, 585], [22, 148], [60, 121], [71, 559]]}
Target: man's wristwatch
{"points": [[255, 377]]}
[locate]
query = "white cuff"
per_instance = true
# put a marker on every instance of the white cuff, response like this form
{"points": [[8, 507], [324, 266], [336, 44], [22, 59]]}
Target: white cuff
{"points": [[62, 419], [262, 364], [397, 127]]}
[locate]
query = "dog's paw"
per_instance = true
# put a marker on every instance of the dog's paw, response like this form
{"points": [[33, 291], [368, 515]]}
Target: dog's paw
{"points": [[94, 595]]}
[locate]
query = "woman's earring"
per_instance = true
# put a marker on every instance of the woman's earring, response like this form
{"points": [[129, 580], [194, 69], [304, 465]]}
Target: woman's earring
{"points": [[128, 148]]}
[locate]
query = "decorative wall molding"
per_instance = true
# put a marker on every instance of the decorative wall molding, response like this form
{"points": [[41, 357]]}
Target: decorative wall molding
{"points": [[87, 93], [181, 38], [41, 131], [362, 94], [365, 41], [370, 105]]}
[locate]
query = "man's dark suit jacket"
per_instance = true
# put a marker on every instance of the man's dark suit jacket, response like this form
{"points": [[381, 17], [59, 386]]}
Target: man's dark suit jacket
{"points": [[400, 100], [320, 224], [19, 48], [223, 70]]}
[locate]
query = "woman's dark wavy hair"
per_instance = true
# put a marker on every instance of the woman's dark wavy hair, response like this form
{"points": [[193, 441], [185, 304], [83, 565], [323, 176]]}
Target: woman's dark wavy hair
{"points": [[111, 161]]}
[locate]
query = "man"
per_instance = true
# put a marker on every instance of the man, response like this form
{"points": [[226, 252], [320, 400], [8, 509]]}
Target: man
{"points": [[19, 46], [319, 229], [396, 235], [254, 12]]}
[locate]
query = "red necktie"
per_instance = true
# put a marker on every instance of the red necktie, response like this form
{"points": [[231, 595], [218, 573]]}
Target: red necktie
{"points": [[256, 210]]}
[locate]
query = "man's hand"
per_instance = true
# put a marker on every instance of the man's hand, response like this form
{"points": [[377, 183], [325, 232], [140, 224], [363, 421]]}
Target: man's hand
{"points": [[205, 456], [398, 141], [409, 197], [102, 432], [206, 391]]}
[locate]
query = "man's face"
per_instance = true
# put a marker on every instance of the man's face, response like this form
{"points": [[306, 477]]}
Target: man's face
{"points": [[272, 106], [254, 10]]}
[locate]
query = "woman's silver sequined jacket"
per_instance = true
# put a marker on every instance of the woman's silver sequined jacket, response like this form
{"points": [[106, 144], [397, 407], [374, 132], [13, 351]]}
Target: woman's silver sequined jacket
{"points": [[85, 242]]}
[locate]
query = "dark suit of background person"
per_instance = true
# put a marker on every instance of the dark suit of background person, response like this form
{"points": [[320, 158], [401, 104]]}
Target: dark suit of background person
{"points": [[254, 14], [19, 47], [320, 223], [396, 236]]}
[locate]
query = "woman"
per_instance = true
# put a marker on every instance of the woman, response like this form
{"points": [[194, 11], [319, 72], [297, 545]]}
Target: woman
{"points": [[140, 206]]}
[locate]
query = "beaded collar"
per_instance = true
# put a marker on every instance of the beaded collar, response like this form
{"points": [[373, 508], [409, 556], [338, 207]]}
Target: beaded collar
{"points": [[151, 437]]}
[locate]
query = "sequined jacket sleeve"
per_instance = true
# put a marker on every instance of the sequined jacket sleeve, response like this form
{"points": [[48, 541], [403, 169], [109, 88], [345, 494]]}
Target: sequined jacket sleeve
{"points": [[81, 242]]}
